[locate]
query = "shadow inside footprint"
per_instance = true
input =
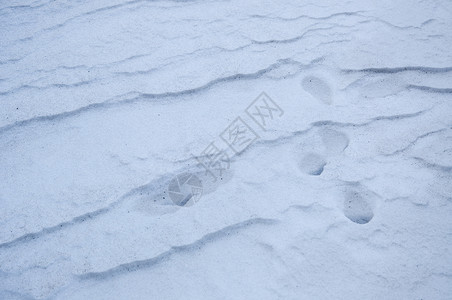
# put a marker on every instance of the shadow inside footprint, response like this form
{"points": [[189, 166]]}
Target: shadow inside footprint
{"points": [[318, 88], [312, 164], [357, 208]]}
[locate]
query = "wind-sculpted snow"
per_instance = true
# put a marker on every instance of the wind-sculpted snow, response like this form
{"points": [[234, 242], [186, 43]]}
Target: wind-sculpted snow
{"points": [[150, 262], [121, 176]]}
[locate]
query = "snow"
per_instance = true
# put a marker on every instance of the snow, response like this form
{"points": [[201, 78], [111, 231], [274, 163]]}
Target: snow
{"points": [[346, 192]]}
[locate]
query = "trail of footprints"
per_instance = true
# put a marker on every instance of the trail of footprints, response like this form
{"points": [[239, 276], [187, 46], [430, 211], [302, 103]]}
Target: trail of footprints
{"points": [[358, 203]]}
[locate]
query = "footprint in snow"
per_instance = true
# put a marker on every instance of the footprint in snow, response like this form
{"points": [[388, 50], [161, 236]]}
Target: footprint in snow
{"points": [[359, 205], [312, 164], [181, 190], [334, 142], [318, 88]]}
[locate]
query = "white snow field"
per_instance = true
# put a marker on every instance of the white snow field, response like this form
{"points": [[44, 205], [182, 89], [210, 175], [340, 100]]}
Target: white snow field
{"points": [[336, 182]]}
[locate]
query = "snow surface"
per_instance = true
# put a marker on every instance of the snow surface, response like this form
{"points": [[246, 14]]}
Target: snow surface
{"points": [[346, 194]]}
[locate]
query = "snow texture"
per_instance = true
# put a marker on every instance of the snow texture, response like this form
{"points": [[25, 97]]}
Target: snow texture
{"points": [[344, 193]]}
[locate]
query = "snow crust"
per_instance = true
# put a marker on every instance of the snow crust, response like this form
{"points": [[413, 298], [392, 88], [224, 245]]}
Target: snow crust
{"points": [[345, 195]]}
